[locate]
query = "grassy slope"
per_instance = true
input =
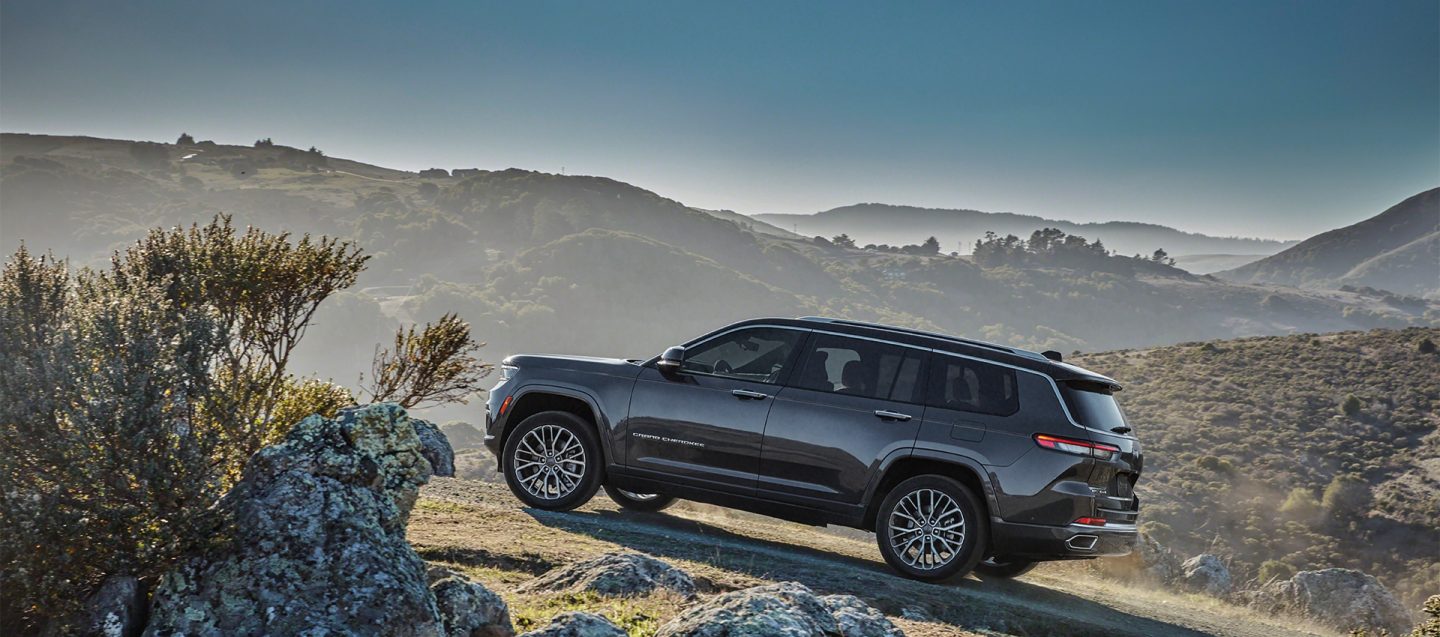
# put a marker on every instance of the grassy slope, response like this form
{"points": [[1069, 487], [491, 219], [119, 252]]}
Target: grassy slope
{"points": [[1232, 428], [481, 529]]}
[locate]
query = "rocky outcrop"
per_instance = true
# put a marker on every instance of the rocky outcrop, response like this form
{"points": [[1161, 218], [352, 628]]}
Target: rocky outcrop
{"points": [[313, 539], [435, 447], [468, 609], [1205, 573], [787, 609], [858, 619], [578, 624], [115, 609], [1341, 598], [615, 574]]}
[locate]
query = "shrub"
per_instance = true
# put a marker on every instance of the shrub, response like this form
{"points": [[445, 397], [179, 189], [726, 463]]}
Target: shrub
{"points": [[185, 140], [1351, 406], [1272, 570], [1300, 505], [1346, 497], [131, 396], [436, 365], [1426, 346]]}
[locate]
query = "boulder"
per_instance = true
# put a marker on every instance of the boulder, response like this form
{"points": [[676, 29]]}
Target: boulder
{"points": [[1206, 574], [117, 608], [787, 609], [312, 539], [1341, 598], [615, 574], [578, 624], [468, 609], [435, 447], [858, 619]]}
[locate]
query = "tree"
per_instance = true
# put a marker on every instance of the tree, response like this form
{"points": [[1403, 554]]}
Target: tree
{"points": [[185, 140], [264, 143], [1160, 256], [436, 365], [1346, 497], [930, 246], [1351, 406], [843, 240], [131, 396]]}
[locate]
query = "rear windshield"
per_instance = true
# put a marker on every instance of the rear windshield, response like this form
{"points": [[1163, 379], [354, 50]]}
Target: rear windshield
{"points": [[1093, 405]]}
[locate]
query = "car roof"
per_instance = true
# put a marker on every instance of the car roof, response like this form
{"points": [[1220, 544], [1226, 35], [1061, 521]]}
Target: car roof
{"points": [[1013, 356]]}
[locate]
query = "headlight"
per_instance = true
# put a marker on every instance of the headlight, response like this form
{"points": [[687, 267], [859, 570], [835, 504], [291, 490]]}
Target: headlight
{"points": [[507, 372]]}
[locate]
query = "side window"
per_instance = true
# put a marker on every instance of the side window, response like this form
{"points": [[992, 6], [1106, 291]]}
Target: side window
{"points": [[970, 385], [861, 368], [757, 354]]}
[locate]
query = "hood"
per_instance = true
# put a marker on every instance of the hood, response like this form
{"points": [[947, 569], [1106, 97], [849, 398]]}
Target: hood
{"points": [[575, 363]]}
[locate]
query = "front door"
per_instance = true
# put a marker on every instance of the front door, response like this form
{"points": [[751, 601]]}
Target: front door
{"points": [[703, 425], [852, 402]]}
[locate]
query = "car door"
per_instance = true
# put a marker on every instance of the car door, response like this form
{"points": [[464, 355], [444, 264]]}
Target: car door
{"points": [[851, 402], [973, 407], [703, 425]]}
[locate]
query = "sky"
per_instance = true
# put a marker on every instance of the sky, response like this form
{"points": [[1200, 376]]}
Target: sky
{"points": [[1271, 119]]}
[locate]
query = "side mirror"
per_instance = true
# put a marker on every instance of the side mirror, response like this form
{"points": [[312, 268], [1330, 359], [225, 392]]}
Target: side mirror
{"points": [[671, 360]]}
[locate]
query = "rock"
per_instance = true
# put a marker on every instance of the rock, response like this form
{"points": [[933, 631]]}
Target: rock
{"points": [[435, 447], [578, 624], [115, 609], [1205, 573], [435, 173], [858, 619], [312, 539], [916, 614], [787, 609], [468, 609], [1341, 598], [616, 574]]}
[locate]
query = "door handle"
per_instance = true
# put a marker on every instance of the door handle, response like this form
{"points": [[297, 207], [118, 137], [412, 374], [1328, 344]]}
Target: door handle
{"points": [[745, 394], [891, 415]]}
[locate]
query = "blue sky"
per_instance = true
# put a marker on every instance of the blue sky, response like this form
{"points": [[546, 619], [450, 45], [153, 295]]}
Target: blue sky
{"points": [[1276, 119]]}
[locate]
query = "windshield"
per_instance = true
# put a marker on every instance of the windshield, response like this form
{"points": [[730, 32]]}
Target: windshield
{"points": [[1093, 405]]}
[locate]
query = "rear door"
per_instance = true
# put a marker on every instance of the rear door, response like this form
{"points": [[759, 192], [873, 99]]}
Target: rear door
{"points": [[1094, 407], [703, 426], [851, 402]]}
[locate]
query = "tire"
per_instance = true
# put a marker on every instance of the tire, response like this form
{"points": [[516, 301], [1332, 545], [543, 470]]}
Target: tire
{"points": [[934, 548], [553, 461], [643, 502], [1004, 569]]}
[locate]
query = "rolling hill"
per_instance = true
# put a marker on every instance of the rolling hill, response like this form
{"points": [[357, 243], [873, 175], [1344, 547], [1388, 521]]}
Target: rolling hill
{"points": [[1397, 250], [958, 229], [591, 265]]}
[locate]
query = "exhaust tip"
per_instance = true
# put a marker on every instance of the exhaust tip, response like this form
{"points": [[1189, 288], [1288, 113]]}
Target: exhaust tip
{"points": [[1082, 542]]}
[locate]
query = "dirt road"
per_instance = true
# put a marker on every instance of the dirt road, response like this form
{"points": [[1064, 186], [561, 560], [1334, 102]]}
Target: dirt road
{"points": [[482, 528]]}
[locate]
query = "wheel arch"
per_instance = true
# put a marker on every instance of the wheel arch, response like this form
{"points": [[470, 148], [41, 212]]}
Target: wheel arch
{"points": [[926, 462], [533, 399]]}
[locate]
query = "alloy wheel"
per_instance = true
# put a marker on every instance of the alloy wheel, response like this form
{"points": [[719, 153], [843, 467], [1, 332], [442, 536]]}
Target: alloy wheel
{"points": [[927, 529], [549, 462]]}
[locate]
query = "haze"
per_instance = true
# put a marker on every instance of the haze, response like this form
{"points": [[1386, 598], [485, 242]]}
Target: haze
{"points": [[1271, 119]]}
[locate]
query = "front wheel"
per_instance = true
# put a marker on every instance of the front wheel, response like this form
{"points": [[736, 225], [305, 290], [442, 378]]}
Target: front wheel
{"points": [[552, 461], [1001, 568], [644, 502], [930, 528]]}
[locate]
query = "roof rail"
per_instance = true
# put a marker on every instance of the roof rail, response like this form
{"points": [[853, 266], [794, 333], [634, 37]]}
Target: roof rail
{"points": [[904, 330]]}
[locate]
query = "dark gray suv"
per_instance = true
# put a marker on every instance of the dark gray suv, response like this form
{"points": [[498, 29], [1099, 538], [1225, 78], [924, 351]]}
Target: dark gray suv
{"points": [[960, 455]]}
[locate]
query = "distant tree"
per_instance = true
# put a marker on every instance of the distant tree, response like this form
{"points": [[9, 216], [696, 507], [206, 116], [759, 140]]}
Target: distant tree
{"points": [[1160, 256], [264, 143], [1426, 346], [315, 151], [436, 365], [843, 240], [1351, 406], [930, 246], [185, 140]]}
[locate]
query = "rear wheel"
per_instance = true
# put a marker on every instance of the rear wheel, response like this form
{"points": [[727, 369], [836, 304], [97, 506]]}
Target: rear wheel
{"points": [[1002, 568], [553, 461], [646, 502], [930, 528]]}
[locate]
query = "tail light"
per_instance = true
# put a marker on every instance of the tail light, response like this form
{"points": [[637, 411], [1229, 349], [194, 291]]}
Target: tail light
{"points": [[1077, 447]]}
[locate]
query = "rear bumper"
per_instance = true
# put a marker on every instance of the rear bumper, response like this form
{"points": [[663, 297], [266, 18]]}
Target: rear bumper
{"points": [[1075, 541]]}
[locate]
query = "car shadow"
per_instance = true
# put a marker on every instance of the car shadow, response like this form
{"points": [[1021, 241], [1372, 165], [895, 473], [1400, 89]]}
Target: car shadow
{"points": [[1013, 606]]}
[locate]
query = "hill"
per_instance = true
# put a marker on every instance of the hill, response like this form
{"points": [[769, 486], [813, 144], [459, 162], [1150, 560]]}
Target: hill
{"points": [[592, 265], [959, 229], [1397, 250], [1308, 451]]}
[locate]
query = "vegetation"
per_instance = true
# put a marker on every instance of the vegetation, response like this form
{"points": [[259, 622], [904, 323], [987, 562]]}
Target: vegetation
{"points": [[1235, 431], [436, 365], [131, 396]]}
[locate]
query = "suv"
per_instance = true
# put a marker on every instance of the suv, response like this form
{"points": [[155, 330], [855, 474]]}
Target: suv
{"points": [[960, 455]]}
